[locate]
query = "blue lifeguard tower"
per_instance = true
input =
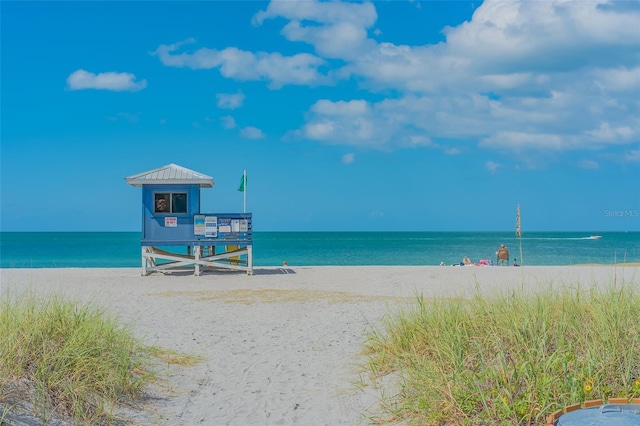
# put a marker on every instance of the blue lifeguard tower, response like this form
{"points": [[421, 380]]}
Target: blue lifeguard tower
{"points": [[171, 218]]}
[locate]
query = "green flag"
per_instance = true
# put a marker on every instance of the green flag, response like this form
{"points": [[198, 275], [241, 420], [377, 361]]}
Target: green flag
{"points": [[243, 183]]}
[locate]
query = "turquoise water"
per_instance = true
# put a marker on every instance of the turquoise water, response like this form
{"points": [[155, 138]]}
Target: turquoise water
{"points": [[122, 249]]}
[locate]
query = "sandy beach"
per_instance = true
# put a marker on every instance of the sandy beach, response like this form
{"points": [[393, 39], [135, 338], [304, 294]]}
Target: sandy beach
{"points": [[279, 347]]}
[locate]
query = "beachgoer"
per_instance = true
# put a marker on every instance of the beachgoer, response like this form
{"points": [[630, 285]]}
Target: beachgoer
{"points": [[502, 254], [515, 262]]}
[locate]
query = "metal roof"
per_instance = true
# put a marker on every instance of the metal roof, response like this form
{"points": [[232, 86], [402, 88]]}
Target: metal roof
{"points": [[170, 174]]}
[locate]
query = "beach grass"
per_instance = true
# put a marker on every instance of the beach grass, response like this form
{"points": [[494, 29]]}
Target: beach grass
{"points": [[510, 359], [66, 359]]}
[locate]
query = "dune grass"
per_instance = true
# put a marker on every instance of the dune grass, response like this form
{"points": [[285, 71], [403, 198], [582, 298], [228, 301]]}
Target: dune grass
{"points": [[511, 359], [68, 360]]}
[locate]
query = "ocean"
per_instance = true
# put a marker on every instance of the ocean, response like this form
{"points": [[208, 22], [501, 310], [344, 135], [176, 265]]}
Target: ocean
{"points": [[122, 249]]}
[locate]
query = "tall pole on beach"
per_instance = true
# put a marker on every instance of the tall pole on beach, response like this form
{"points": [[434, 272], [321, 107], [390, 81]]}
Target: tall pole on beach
{"points": [[243, 188], [519, 236]]}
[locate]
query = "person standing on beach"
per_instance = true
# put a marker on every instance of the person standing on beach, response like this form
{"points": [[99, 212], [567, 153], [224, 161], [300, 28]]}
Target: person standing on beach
{"points": [[502, 254]]}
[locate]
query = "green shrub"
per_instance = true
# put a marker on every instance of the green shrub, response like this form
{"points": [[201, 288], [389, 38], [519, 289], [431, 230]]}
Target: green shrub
{"points": [[75, 360], [510, 359]]}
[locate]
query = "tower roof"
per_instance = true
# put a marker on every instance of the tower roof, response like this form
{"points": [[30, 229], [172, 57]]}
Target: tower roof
{"points": [[170, 174]]}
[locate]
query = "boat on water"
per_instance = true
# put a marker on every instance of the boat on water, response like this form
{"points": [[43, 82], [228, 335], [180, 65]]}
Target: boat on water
{"points": [[595, 237]]}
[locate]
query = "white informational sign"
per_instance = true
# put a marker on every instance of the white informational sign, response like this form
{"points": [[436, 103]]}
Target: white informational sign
{"points": [[224, 225], [198, 224], [211, 226], [235, 225], [170, 222], [244, 225]]}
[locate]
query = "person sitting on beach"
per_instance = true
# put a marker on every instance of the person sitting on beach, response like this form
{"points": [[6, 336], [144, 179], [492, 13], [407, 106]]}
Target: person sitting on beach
{"points": [[466, 261], [502, 254]]}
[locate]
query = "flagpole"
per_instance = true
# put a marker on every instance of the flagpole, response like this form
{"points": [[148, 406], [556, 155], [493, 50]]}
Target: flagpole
{"points": [[519, 235], [244, 178]]}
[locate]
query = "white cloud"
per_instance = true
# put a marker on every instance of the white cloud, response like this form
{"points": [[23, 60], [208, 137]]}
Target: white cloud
{"points": [[633, 156], [279, 70], [492, 167], [114, 81], [517, 76], [230, 100], [250, 132], [127, 116], [360, 123], [361, 14], [522, 76], [606, 134], [618, 79], [341, 108], [508, 45], [228, 122], [588, 164], [451, 150], [164, 50], [335, 29], [543, 35], [522, 140], [348, 158], [557, 123]]}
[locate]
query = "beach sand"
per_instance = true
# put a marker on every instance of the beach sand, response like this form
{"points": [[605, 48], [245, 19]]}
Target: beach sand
{"points": [[280, 347]]}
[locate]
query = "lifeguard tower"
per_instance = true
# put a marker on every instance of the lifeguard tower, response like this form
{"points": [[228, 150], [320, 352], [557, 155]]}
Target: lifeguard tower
{"points": [[171, 218]]}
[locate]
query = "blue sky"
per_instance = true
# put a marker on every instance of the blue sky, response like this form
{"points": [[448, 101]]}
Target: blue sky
{"points": [[371, 116]]}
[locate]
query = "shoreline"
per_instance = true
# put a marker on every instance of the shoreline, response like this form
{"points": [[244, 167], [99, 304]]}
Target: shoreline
{"points": [[269, 267], [281, 346]]}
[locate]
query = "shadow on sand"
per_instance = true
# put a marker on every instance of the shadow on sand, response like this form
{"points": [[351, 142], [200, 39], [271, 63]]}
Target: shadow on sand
{"points": [[225, 272]]}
